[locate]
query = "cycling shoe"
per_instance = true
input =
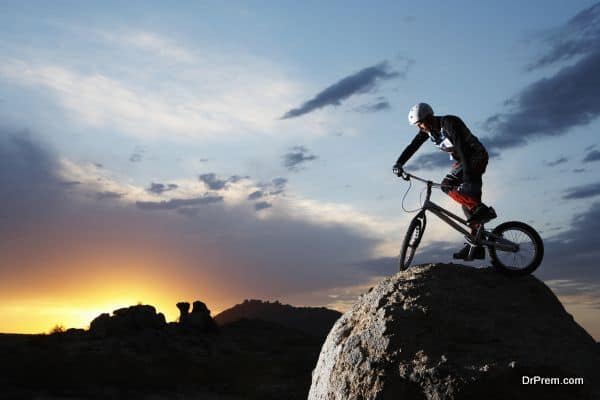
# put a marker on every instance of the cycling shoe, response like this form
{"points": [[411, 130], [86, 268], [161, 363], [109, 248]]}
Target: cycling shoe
{"points": [[463, 254], [482, 214]]}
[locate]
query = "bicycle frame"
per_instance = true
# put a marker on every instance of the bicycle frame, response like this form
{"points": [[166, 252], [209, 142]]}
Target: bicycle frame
{"points": [[481, 237]]}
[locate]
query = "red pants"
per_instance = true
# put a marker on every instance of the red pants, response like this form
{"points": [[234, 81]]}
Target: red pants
{"points": [[469, 194]]}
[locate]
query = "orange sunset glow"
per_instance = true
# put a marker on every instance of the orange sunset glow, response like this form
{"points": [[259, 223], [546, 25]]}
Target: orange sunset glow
{"points": [[71, 293]]}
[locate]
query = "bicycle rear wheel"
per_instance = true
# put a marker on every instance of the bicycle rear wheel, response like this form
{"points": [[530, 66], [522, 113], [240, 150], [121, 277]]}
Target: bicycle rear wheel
{"points": [[411, 241], [530, 249]]}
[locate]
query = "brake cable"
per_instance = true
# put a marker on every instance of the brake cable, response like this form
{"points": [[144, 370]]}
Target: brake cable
{"points": [[404, 198]]}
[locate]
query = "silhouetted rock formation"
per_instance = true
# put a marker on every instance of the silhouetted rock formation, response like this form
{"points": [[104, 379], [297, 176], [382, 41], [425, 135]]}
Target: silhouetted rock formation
{"points": [[184, 310], [312, 320], [454, 332], [133, 318], [199, 320]]}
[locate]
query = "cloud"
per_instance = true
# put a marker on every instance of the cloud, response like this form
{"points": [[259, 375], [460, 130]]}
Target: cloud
{"points": [[582, 192], [26, 174], [434, 252], [224, 246], [296, 156], [579, 170], [363, 81], [256, 195], [151, 42], [556, 162], [135, 157], [277, 185], [436, 160], [552, 106], [178, 203], [160, 188], [261, 205], [381, 266], [212, 181], [237, 178], [430, 161], [593, 155], [578, 37], [70, 183], [108, 195], [137, 154], [573, 254], [381, 104], [267, 190], [209, 104]]}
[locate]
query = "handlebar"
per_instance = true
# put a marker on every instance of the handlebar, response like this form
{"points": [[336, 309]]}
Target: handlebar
{"points": [[406, 176]]}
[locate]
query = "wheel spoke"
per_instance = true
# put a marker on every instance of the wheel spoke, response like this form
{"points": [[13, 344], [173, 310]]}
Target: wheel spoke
{"points": [[522, 258]]}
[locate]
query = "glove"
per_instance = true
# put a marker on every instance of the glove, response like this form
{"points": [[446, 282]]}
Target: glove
{"points": [[398, 170]]}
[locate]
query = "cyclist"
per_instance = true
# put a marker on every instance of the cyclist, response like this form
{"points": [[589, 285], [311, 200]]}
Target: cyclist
{"points": [[463, 182]]}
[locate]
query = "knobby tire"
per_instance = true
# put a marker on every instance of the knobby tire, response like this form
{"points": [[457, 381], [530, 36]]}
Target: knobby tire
{"points": [[534, 245], [411, 241]]}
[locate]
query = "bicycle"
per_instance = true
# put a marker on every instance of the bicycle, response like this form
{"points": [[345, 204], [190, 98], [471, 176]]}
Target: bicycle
{"points": [[515, 248]]}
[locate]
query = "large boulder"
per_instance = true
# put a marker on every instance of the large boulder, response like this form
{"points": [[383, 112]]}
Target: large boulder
{"points": [[123, 320], [445, 331]]}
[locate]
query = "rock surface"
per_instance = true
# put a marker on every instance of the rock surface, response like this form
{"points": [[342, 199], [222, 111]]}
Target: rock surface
{"points": [[445, 331]]}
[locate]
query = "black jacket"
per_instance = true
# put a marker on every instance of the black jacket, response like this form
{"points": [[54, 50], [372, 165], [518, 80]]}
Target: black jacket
{"points": [[464, 147]]}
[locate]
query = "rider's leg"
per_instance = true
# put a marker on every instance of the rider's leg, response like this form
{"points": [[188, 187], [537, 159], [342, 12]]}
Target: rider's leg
{"points": [[453, 179], [481, 212], [469, 198]]}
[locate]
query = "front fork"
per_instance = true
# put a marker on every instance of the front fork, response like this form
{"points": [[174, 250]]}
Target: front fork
{"points": [[422, 223]]}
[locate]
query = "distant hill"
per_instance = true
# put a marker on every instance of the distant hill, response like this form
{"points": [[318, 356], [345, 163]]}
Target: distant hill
{"points": [[316, 321]]}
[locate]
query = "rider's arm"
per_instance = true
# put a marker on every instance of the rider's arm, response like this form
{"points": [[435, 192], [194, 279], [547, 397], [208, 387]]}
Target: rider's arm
{"points": [[408, 152]]}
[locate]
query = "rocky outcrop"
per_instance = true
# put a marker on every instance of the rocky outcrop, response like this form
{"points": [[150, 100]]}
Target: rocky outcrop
{"points": [[184, 310], [453, 332], [316, 321], [199, 320], [123, 320]]}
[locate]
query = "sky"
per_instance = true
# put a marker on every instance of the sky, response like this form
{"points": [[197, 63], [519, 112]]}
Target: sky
{"points": [[219, 151]]}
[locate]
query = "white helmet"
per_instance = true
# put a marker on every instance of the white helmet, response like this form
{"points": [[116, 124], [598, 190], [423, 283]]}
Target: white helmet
{"points": [[418, 112]]}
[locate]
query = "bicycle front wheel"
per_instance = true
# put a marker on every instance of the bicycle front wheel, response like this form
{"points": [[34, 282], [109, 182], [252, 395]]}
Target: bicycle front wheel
{"points": [[528, 255], [411, 242]]}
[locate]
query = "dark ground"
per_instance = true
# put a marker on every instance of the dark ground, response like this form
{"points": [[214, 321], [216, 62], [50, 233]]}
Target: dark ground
{"points": [[246, 359]]}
